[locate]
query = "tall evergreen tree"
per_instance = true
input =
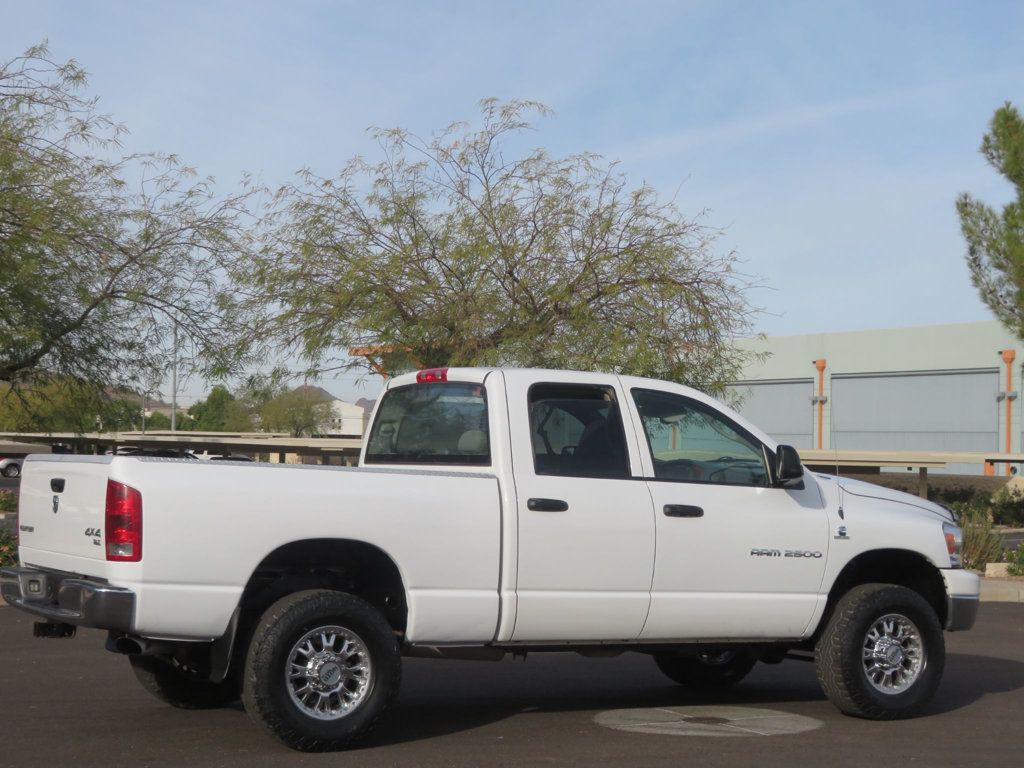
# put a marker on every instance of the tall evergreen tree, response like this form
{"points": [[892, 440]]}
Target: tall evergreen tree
{"points": [[995, 240]]}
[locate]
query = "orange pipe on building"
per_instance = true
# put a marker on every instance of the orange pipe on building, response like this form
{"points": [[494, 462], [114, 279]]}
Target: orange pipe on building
{"points": [[1008, 357], [820, 365]]}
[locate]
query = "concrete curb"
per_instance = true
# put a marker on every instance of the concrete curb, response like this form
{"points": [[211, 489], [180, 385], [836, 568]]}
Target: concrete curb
{"points": [[1002, 590]]}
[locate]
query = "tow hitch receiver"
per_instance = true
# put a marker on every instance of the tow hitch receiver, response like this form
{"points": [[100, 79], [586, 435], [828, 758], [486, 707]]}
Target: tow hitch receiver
{"points": [[53, 629]]}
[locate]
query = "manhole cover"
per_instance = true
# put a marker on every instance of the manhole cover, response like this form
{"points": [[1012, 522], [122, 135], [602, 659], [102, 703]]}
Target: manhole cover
{"points": [[706, 721]]}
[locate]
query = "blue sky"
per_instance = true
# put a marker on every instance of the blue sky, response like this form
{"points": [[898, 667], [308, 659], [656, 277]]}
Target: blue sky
{"points": [[827, 140]]}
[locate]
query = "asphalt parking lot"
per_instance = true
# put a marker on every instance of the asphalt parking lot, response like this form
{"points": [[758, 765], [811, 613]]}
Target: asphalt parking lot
{"points": [[69, 702]]}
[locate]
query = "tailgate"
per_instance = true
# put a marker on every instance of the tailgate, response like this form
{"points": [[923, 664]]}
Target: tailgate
{"points": [[62, 504]]}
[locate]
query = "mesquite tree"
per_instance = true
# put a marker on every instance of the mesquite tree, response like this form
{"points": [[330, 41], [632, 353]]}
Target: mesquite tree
{"points": [[104, 259], [458, 250]]}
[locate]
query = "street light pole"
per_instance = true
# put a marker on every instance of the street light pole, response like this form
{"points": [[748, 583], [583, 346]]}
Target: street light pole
{"points": [[174, 379]]}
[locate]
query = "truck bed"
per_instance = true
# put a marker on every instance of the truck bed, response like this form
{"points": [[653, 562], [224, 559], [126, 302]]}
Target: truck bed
{"points": [[208, 526]]}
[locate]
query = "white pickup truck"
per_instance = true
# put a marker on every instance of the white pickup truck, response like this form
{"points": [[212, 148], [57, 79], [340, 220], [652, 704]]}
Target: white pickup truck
{"points": [[495, 511]]}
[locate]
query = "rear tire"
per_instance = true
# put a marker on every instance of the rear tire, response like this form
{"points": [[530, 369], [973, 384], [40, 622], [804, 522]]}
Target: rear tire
{"points": [[12, 471], [175, 686], [882, 654], [709, 669], [321, 669]]}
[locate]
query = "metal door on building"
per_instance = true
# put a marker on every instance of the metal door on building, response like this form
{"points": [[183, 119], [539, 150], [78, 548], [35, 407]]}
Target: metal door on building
{"points": [[781, 408], [916, 411]]}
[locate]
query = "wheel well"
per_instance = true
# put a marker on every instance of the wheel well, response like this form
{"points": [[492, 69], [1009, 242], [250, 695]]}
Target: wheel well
{"points": [[890, 566], [348, 566]]}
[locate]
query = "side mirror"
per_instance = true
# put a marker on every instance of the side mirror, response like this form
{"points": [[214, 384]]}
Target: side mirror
{"points": [[788, 469]]}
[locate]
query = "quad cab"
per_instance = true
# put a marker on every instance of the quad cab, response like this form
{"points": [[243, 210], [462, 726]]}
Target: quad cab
{"points": [[494, 511]]}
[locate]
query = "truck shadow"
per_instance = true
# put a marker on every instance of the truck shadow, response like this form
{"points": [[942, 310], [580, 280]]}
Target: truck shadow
{"points": [[969, 678], [441, 698]]}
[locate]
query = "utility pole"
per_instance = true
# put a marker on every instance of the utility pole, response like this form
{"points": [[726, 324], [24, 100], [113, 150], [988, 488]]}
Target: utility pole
{"points": [[174, 379]]}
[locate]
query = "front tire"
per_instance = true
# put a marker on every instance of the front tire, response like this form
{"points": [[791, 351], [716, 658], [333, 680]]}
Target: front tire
{"points": [[882, 653], [321, 669], [12, 471], [708, 669], [177, 687]]}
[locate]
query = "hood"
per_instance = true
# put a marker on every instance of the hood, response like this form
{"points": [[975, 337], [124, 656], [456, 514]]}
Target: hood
{"points": [[872, 491]]}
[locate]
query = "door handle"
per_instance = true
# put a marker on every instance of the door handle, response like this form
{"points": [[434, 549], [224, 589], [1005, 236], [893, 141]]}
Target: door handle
{"points": [[547, 505], [57, 484], [682, 510]]}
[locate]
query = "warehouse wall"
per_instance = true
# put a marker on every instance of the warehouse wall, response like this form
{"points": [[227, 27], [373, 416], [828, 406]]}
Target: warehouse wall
{"points": [[932, 388], [780, 408]]}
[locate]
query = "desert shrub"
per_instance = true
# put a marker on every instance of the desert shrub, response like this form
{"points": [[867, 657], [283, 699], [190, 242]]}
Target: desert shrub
{"points": [[963, 494], [981, 544], [8, 547], [1015, 561], [1008, 506]]}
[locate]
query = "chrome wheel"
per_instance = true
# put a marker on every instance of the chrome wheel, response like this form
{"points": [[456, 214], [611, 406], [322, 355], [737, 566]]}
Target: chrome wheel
{"points": [[893, 654], [329, 673]]}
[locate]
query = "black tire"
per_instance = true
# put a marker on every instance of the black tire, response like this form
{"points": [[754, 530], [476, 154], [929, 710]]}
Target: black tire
{"points": [[178, 688], [276, 702], [711, 669], [12, 471], [842, 665]]}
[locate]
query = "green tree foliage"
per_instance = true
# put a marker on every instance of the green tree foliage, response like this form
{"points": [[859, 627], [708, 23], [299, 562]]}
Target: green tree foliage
{"points": [[118, 415], [156, 421], [995, 240], [459, 251], [210, 415], [101, 258], [65, 405], [299, 412], [223, 411]]}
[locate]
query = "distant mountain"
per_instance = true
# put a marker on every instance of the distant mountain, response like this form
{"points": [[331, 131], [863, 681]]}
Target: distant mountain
{"points": [[151, 403], [317, 392]]}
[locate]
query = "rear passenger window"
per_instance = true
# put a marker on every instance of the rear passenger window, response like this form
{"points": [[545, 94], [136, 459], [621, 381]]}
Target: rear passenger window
{"points": [[441, 423], [577, 431]]}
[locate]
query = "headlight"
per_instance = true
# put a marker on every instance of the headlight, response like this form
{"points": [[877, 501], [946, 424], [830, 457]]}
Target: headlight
{"points": [[954, 541]]}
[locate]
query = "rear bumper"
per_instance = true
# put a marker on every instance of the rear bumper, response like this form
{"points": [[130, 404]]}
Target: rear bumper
{"points": [[64, 598]]}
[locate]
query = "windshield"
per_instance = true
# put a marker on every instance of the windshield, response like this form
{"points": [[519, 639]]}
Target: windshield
{"points": [[442, 423]]}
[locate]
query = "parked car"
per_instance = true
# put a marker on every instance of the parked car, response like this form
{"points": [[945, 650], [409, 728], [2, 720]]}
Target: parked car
{"points": [[10, 466], [495, 512], [212, 456], [165, 453]]}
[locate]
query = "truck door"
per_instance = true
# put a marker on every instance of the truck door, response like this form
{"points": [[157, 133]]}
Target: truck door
{"points": [[585, 519], [736, 556]]}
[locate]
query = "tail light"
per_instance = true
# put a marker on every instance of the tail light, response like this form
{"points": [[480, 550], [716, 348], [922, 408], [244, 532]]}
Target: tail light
{"points": [[123, 523]]}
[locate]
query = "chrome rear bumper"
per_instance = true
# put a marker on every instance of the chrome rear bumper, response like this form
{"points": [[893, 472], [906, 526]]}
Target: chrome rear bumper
{"points": [[68, 599]]}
